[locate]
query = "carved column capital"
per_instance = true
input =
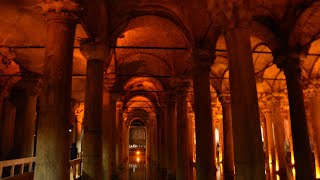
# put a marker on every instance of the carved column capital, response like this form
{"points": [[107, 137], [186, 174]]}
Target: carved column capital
{"points": [[225, 99], [119, 106], [94, 50], [61, 10], [288, 63], [202, 61], [109, 82]]}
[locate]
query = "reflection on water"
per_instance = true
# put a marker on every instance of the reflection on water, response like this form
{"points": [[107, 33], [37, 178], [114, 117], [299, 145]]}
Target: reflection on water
{"points": [[137, 168]]}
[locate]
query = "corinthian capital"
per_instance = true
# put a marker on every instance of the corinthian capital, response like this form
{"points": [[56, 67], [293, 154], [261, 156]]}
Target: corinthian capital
{"points": [[61, 10], [230, 13]]}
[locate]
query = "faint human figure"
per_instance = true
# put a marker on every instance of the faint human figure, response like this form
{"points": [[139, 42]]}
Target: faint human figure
{"points": [[73, 151]]}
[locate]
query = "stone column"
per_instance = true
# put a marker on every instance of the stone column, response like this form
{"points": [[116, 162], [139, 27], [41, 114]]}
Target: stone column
{"points": [[314, 101], [205, 162], [267, 112], [25, 98], [92, 148], [163, 139], [248, 147], [171, 136], [192, 144], [184, 155], [154, 145], [7, 129], [280, 134], [301, 143], [117, 136], [228, 154], [52, 143], [109, 115]]}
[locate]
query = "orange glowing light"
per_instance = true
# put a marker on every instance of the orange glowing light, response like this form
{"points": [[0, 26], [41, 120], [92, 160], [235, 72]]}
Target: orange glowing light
{"points": [[138, 152], [138, 159]]}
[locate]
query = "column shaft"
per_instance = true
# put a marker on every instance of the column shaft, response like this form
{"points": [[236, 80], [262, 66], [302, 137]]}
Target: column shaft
{"points": [[248, 147], [315, 114], [52, 143], [301, 144], [109, 115], [7, 129], [184, 157], [270, 139], [117, 139], [163, 143], [92, 149], [280, 140], [24, 125], [172, 138], [205, 156], [228, 154]]}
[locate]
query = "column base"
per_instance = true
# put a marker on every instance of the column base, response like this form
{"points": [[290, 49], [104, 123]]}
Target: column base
{"points": [[228, 176]]}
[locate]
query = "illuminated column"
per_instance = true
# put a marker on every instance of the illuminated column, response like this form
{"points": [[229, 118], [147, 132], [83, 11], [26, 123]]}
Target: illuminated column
{"points": [[25, 95], [171, 136], [228, 154], [314, 100], [184, 136], [205, 156], [301, 143], [267, 112], [279, 133], [79, 113], [109, 116], [248, 147], [52, 142], [192, 144]]}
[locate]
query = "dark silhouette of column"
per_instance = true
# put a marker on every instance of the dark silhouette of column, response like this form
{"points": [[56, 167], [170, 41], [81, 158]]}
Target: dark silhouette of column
{"points": [[228, 154], [184, 136], [205, 155], [92, 148], [248, 147], [52, 143], [163, 142], [301, 144], [171, 136], [25, 95], [109, 116]]}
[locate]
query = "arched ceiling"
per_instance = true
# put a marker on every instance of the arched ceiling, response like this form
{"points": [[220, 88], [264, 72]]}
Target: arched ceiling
{"points": [[157, 47], [169, 24]]}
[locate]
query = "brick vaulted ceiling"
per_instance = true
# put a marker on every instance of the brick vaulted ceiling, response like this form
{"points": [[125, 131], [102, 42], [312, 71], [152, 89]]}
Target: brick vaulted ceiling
{"points": [[278, 25]]}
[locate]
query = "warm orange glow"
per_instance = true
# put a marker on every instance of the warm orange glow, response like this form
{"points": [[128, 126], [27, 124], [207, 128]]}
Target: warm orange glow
{"points": [[277, 164], [278, 177], [317, 169], [138, 152], [292, 158], [294, 173], [138, 159]]}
